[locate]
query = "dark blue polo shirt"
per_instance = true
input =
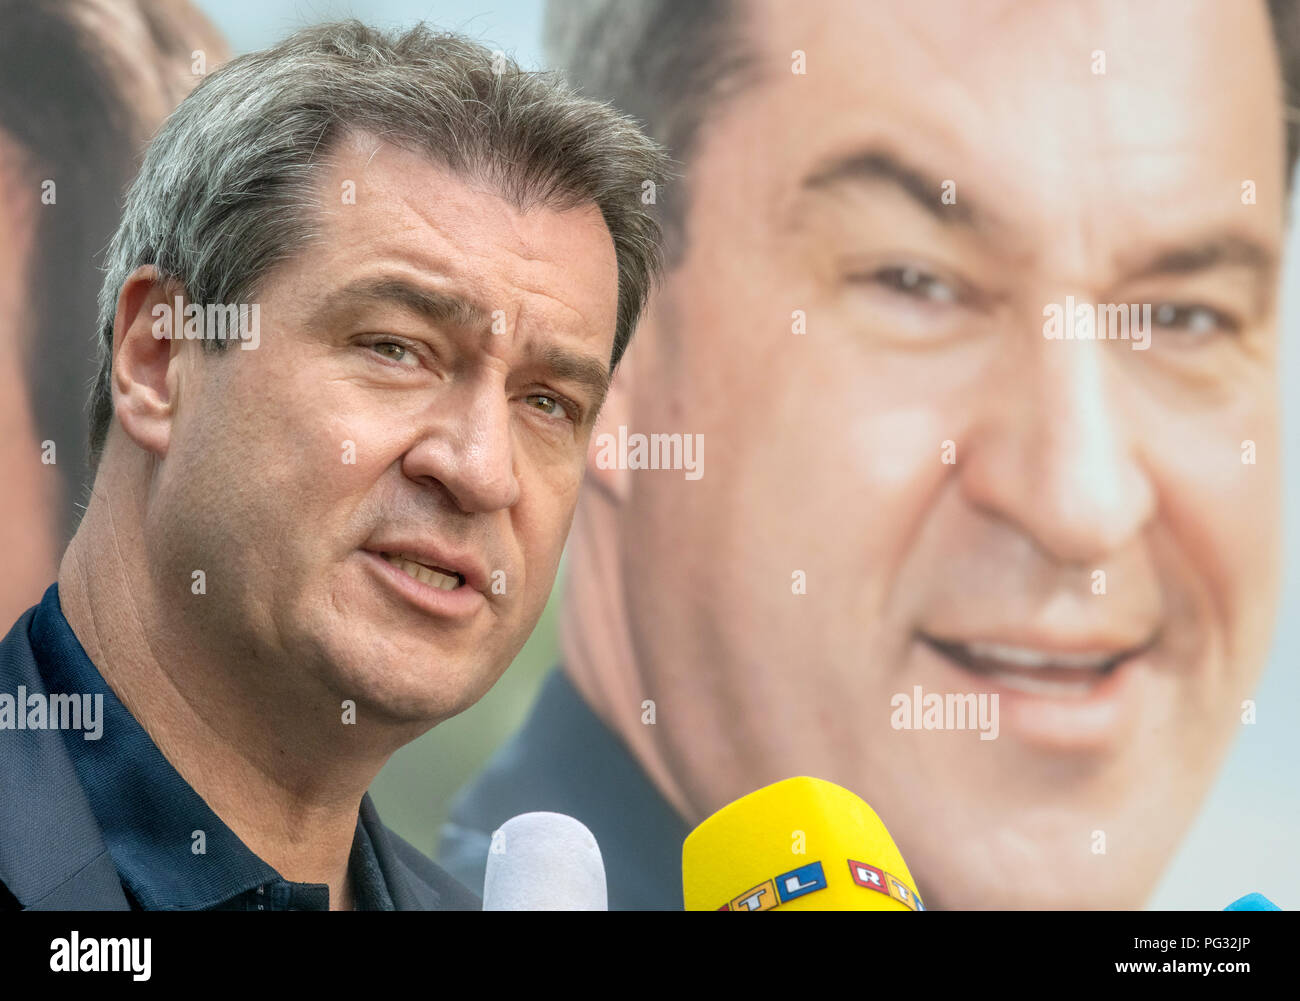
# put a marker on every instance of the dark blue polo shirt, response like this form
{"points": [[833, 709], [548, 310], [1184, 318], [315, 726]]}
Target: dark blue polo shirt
{"points": [[149, 814]]}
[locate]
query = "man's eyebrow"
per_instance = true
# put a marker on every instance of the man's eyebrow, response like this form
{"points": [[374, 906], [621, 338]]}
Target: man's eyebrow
{"points": [[1216, 251], [868, 166], [582, 369], [436, 306]]}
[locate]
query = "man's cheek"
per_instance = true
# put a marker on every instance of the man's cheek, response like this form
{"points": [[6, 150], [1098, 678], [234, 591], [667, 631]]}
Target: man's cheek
{"points": [[1227, 491], [900, 459], [345, 445], [541, 531], [549, 485]]}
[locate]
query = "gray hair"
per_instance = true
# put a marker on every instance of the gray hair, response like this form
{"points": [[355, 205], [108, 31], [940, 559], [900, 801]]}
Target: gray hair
{"points": [[223, 196], [670, 64]]}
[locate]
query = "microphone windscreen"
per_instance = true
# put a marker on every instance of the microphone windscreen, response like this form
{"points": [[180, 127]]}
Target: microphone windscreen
{"points": [[544, 862], [802, 844], [1253, 902]]}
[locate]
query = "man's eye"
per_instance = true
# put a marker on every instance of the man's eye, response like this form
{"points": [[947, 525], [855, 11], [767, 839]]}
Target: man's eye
{"points": [[391, 350], [912, 282], [549, 405], [1195, 319]]}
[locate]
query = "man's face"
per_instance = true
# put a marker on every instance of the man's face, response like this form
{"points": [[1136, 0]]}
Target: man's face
{"points": [[1076, 526], [423, 387]]}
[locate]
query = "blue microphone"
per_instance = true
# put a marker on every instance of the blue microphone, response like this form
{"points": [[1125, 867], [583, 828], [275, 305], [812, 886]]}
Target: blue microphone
{"points": [[1253, 902]]}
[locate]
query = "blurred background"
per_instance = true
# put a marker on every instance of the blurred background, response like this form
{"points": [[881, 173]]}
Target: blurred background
{"points": [[1251, 821]]}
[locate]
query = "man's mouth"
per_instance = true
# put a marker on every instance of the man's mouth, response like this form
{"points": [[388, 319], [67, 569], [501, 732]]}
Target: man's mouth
{"points": [[434, 576], [1033, 671]]}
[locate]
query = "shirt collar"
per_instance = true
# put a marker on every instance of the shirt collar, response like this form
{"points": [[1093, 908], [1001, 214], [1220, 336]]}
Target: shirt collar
{"points": [[171, 850]]}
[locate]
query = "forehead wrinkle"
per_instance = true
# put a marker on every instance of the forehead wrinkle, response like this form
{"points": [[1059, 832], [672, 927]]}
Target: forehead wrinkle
{"points": [[436, 305], [419, 206], [550, 354], [494, 287], [529, 290]]}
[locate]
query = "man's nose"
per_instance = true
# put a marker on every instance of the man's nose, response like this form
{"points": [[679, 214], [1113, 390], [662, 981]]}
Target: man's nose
{"points": [[1054, 454], [468, 447]]}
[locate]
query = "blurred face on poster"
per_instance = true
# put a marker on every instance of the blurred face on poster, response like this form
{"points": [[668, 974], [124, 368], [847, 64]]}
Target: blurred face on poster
{"points": [[83, 83], [923, 475]]}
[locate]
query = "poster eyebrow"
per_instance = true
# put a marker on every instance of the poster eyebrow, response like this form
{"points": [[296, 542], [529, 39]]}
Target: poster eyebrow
{"points": [[1224, 250], [875, 165]]}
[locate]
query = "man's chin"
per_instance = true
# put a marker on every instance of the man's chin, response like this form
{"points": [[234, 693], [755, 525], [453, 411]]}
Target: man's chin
{"points": [[418, 706], [406, 687]]}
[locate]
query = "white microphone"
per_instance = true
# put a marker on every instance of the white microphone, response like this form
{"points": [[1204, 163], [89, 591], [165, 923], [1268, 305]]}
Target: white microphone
{"points": [[544, 862]]}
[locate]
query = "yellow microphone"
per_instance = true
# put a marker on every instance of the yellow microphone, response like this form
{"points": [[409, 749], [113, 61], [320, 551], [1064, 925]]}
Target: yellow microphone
{"points": [[799, 845]]}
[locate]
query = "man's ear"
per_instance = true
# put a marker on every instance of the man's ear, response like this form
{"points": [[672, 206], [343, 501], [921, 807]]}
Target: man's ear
{"points": [[146, 340], [604, 466]]}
